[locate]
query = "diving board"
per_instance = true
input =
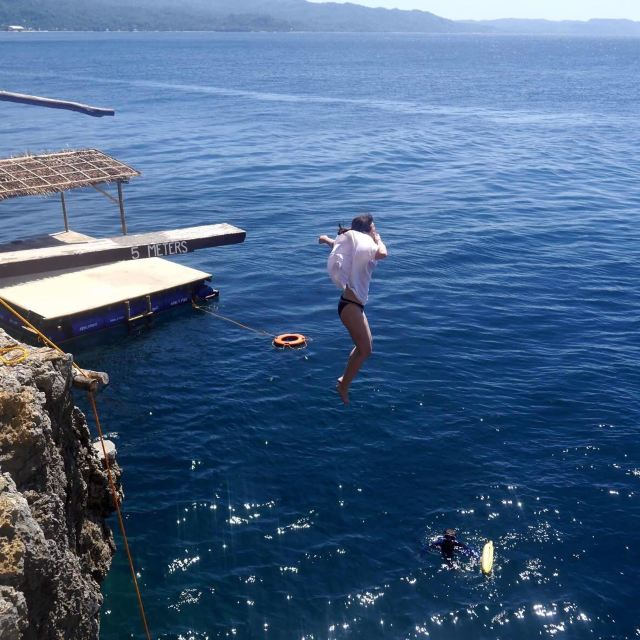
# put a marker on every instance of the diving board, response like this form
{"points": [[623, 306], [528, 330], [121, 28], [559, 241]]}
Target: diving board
{"points": [[138, 246], [47, 240]]}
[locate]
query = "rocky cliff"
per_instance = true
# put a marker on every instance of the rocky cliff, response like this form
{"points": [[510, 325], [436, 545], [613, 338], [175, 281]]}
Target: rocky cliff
{"points": [[55, 548]]}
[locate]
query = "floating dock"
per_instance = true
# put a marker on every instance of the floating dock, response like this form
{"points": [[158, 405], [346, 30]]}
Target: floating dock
{"points": [[71, 303], [69, 284]]}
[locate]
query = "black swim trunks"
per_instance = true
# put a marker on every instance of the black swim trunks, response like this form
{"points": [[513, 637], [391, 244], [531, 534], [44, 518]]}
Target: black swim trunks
{"points": [[343, 302]]}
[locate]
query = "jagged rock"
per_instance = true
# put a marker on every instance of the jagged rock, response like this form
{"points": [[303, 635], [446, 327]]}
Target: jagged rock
{"points": [[13, 614], [108, 447], [55, 547]]}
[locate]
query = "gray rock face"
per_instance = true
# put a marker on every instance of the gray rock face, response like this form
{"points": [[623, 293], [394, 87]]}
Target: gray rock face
{"points": [[55, 547]]}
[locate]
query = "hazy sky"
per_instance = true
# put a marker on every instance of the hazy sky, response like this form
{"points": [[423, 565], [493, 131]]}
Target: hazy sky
{"points": [[488, 9]]}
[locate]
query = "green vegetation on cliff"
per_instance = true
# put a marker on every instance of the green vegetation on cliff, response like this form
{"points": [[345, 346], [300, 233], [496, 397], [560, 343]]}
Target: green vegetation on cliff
{"points": [[218, 15]]}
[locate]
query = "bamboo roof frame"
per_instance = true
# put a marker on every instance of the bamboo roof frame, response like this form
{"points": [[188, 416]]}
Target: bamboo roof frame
{"points": [[34, 175]]}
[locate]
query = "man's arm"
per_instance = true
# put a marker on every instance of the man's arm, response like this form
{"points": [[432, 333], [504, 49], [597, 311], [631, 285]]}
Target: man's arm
{"points": [[382, 249], [326, 240]]}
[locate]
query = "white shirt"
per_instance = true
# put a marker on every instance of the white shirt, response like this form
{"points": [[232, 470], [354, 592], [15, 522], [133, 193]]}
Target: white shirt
{"points": [[352, 262]]}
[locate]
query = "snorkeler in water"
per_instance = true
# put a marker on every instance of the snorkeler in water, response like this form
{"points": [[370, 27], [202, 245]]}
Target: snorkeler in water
{"points": [[354, 254], [449, 546]]}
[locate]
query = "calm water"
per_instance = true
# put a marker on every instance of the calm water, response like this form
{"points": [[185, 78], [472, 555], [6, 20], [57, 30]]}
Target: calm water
{"points": [[502, 398]]}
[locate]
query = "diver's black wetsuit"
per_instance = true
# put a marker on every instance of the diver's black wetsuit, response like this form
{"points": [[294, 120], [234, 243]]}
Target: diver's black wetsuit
{"points": [[449, 546]]}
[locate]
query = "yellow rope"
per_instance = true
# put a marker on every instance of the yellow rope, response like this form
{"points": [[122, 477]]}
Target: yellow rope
{"points": [[41, 335], [16, 359], [112, 486], [244, 326]]}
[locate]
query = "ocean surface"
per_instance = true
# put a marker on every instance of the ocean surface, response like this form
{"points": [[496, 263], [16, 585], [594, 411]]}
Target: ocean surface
{"points": [[502, 398]]}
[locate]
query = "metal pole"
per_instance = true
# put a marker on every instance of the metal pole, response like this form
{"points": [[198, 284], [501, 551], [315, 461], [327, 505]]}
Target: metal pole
{"points": [[64, 211], [123, 222]]}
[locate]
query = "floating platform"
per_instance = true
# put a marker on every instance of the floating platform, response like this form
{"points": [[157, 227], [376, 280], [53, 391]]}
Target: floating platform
{"points": [[74, 302]]}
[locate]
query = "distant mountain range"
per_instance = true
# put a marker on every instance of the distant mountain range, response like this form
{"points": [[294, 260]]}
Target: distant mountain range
{"points": [[271, 15], [563, 27]]}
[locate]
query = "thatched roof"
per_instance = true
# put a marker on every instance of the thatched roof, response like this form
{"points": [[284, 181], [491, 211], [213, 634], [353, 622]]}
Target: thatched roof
{"points": [[56, 172]]}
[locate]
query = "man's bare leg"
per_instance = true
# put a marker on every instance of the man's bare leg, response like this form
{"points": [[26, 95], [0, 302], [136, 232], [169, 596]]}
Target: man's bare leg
{"points": [[356, 323]]}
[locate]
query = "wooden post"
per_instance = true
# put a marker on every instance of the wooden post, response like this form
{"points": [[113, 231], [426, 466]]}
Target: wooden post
{"points": [[123, 222], [64, 211]]}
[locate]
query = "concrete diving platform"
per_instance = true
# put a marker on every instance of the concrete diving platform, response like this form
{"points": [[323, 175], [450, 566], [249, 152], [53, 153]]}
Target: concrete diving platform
{"points": [[130, 247]]}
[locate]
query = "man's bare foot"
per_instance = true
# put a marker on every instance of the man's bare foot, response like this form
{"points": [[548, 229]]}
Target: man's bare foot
{"points": [[344, 393]]}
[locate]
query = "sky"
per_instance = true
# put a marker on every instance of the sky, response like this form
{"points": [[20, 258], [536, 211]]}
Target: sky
{"points": [[490, 9]]}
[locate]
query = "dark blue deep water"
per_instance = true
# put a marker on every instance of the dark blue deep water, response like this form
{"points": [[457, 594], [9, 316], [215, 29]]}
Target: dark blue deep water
{"points": [[502, 397]]}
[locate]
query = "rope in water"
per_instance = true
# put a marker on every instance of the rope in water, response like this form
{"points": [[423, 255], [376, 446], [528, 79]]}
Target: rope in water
{"points": [[112, 486], [244, 326], [293, 340]]}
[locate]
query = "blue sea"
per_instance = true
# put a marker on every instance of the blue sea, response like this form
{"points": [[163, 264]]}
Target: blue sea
{"points": [[502, 397]]}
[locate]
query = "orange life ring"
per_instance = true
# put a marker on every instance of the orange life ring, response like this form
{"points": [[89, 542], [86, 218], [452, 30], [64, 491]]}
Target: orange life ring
{"points": [[290, 340]]}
